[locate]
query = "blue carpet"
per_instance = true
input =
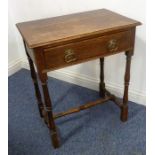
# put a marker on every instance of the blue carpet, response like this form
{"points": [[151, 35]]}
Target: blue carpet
{"points": [[96, 131]]}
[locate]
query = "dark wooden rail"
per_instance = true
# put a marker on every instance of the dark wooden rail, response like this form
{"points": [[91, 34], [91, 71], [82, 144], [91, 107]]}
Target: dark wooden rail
{"points": [[82, 107], [116, 100]]}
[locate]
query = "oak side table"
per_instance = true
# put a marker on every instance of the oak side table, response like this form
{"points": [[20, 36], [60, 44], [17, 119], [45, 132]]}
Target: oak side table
{"points": [[63, 41]]}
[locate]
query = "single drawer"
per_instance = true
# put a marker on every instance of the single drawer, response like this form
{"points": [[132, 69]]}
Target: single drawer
{"points": [[86, 50]]}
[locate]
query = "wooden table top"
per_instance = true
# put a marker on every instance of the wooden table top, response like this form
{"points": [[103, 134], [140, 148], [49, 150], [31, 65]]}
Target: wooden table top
{"points": [[68, 27]]}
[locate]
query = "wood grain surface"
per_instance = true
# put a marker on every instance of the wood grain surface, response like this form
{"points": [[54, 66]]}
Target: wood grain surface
{"points": [[47, 31]]}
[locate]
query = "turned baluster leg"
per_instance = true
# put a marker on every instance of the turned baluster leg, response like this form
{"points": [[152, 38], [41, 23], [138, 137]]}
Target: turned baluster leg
{"points": [[48, 109], [102, 84], [35, 82], [124, 108]]}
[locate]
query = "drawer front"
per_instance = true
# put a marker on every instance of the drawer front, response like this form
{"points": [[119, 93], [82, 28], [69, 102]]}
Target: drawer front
{"points": [[86, 50]]}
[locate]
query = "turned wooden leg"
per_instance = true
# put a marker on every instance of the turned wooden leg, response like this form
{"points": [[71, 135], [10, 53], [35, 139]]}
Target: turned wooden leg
{"points": [[36, 86], [124, 107], [102, 84], [48, 109]]}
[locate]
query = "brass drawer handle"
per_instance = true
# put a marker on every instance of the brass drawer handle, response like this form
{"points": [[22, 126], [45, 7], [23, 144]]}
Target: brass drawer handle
{"points": [[70, 56], [112, 45]]}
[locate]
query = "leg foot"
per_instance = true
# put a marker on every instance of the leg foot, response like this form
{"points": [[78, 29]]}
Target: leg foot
{"points": [[102, 90], [54, 139], [124, 113]]}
